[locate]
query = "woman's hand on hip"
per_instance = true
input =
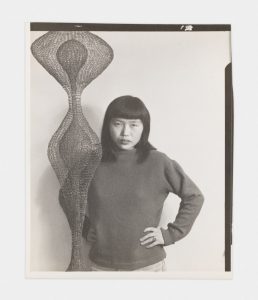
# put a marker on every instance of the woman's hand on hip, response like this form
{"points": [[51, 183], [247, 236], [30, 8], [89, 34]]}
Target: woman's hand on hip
{"points": [[153, 238]]}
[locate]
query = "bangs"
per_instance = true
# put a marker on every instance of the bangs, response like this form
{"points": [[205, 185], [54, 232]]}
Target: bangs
{"points": [[130, 109], [127, 114]]}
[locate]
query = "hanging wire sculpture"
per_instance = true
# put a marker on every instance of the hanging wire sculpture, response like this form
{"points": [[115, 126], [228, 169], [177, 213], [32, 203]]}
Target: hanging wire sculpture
{"points": [[74, 59]]}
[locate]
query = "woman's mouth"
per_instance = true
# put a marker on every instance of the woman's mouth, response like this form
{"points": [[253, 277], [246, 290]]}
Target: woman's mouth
{"points": [[124, 141]]}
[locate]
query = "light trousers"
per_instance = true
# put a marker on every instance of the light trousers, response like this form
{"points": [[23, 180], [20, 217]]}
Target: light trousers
{"points": [[157, 267]]}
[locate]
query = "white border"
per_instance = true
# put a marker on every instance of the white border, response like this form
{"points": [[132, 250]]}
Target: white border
{"points": [[27, 149], [243, 17], [132, 275]]}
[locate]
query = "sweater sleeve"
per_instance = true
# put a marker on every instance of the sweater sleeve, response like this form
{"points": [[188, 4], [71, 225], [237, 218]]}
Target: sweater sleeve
{"points": [[190, 205]]}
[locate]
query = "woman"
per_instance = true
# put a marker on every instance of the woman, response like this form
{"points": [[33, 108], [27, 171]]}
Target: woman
{"points": [[127, 194]]}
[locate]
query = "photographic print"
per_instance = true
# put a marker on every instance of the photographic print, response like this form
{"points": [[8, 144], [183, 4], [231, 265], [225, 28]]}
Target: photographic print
{"points": [[129, 151]]}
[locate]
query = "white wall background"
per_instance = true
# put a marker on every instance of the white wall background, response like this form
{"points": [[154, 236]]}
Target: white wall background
{"points": [[180, 77]]}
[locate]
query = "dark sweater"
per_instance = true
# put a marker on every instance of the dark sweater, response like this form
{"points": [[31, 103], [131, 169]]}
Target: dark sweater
{"points": [[125, 197]]}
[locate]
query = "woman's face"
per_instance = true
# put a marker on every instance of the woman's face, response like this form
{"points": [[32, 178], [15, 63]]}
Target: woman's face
{"points": [[126, 133]]}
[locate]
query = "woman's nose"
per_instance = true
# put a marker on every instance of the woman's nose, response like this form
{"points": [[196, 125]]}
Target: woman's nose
{"points": [[125, 130]]}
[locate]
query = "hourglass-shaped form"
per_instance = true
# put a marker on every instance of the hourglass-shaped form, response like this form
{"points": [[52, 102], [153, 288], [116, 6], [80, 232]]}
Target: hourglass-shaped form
{"points": [[74, 59]]}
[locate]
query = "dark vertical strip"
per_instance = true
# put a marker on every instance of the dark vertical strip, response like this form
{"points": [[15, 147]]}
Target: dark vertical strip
{"points": [[229, 122]]}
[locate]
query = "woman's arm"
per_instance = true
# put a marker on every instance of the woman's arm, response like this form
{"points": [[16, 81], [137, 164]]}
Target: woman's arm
{"points": [[190, 205]]}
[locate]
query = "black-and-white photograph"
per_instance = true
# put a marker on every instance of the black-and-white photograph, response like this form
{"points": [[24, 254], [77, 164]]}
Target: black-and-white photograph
{"points": [[130, 151]]}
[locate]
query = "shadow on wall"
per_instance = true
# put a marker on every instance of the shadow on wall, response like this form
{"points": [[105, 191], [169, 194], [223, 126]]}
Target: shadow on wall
{"points": [[55, 236]]}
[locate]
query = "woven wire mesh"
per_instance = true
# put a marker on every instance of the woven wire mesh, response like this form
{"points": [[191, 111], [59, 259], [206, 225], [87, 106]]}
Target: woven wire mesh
{"points": [[74, 59]]}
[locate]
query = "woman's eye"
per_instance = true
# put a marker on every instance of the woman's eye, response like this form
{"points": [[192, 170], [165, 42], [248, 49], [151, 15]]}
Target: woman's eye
{"points": [[134, 125]]}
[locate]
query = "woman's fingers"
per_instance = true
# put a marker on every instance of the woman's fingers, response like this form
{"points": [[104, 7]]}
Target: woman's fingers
{"points": [[153, 244], [146, 241], [150, 229], [153, 238], [146, 237]]}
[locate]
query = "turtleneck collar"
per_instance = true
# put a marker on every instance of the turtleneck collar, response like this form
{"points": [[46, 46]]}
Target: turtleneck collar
{"points": [[126, 155]]}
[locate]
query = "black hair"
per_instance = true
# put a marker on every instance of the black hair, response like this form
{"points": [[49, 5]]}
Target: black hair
{"points": [[126, 107]]}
